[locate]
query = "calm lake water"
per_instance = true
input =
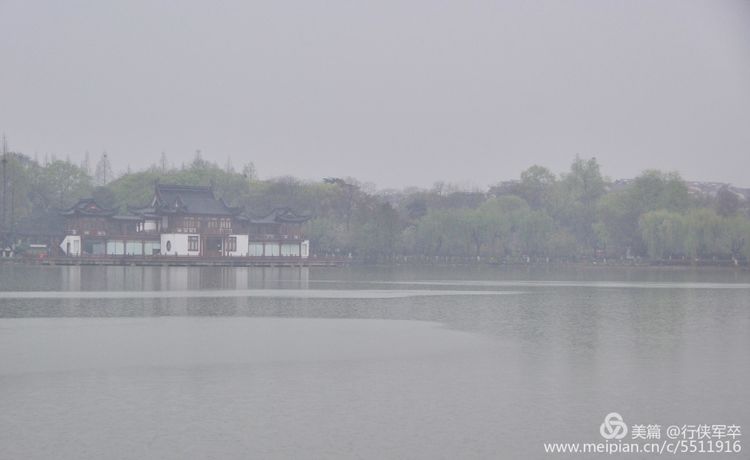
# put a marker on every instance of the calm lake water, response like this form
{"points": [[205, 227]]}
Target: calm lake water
{"points": [[175, 363]]}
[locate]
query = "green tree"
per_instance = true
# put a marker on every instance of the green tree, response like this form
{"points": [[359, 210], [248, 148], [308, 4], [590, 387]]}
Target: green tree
{"points": [[585, 183], [664, 233], [535, 230], [736, 236], [536, 185], [62, 183], [574, 199], [327, 236], [376, 233], [104, 197], [726, 203], [704, 233], [619, 212], [504, 215], [444, 232], [19, 173]]}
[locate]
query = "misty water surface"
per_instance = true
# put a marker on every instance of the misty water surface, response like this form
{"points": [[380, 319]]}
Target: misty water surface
{"points": [[368, 363]]}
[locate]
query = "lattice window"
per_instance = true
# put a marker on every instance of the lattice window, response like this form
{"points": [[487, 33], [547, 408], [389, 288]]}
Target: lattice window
{"points": [[193, 243]]}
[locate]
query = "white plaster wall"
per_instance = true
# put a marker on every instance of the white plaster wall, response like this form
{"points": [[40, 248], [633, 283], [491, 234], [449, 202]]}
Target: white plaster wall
{"points": [[75, 245], [179, 244]]}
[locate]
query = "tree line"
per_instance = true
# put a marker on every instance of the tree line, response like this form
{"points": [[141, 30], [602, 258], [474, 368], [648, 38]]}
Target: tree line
{"points": [[542, 216]]}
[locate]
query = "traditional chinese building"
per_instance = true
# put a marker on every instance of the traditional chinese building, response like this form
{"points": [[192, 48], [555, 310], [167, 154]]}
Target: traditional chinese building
{"points": [[277, 233], [182, 221], [191, 221], [93, 230]]}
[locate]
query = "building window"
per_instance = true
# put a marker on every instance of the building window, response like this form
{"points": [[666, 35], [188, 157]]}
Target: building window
{"points": [[232, 244], [193, 243]]}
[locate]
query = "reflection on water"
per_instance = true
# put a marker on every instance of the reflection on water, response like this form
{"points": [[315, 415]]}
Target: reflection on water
{"points": [[285, 362], [76, 278], [217, 294], [591, 284], [185, 342], [116, 278]]}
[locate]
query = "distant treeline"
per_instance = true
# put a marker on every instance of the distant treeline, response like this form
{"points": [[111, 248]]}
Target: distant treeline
{"points": [[577, 215]]}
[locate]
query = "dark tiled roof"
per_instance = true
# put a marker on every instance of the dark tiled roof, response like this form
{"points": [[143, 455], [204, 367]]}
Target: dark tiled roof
{"points": [[147, 211], [279, 216], [186, 199], [88, 207]]}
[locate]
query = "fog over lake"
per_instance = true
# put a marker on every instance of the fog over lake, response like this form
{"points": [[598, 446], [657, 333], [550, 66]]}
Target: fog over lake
{"points": [[394, 93], [374, 230], [134, 362]]}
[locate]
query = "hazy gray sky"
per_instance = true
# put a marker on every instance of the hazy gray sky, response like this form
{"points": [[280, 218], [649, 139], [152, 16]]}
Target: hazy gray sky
{"points": [[393, 92]]}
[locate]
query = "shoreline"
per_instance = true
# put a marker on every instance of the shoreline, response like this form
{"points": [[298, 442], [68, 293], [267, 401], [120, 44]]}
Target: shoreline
{"points": [[348, 262]]}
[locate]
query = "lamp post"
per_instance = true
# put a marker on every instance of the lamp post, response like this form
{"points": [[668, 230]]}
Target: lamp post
{"points": [[5, 189]]}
